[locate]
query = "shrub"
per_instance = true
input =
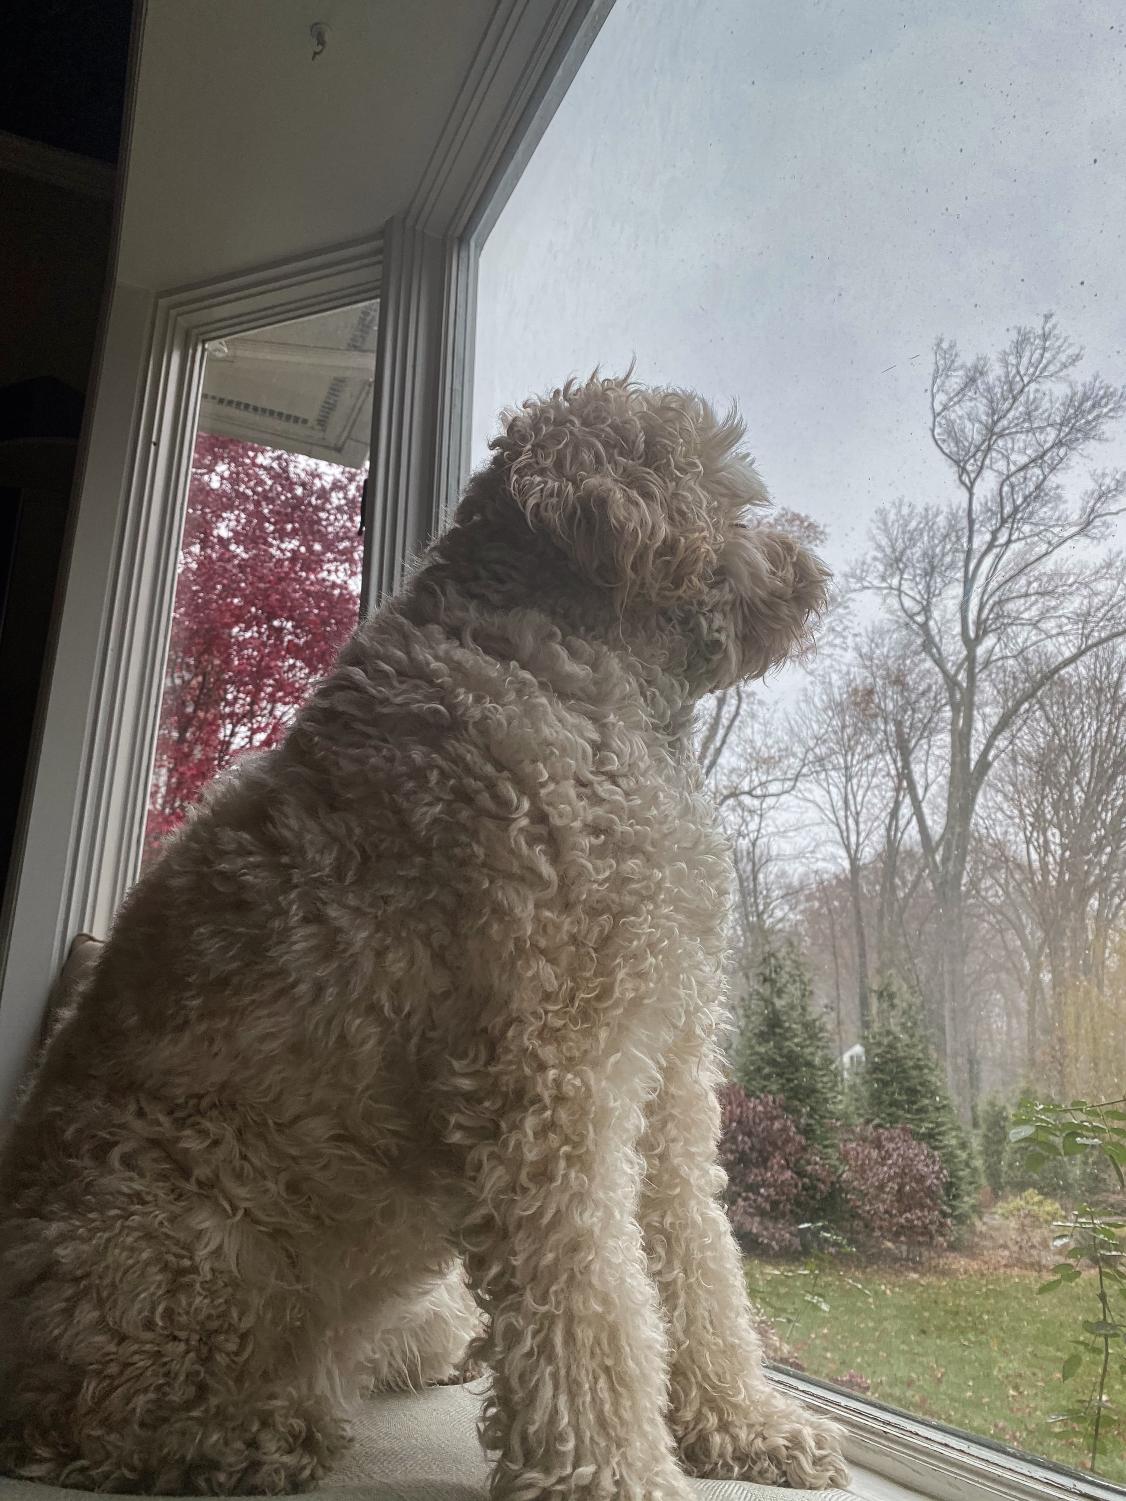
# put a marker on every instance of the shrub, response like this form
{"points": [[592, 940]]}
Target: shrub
{"points": [[776, 1177], [784, 1049], [1031, 1206], [994, 1143], [893, 1186], [905, 1086]]}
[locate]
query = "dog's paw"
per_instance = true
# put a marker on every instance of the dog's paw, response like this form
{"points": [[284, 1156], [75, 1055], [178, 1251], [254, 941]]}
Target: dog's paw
{"points": [[796, 1449], [462, 1375], [611, 1482]]}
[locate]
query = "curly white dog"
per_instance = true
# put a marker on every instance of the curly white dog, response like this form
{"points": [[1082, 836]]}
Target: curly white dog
{"points": [[405, 1043]]}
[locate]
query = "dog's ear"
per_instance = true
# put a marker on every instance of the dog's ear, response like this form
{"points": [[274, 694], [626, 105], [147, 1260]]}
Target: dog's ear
{"points": [[783, 586], [613, 474]]}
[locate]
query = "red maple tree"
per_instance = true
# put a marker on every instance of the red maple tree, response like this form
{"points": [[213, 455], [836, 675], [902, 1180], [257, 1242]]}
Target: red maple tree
{"points": [[267, 589]]}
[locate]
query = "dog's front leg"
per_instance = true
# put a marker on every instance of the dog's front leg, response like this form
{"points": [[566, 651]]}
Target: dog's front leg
{"points": [[727, 1419], [554, 1254]]}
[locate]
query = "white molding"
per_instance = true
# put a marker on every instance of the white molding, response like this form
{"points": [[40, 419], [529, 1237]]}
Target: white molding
{"points": [[421, 414], [561, 49], [401, 510], [929, 1459], [139, 601], [62, 169], [523, 66], [420, 405], [455, 375]]}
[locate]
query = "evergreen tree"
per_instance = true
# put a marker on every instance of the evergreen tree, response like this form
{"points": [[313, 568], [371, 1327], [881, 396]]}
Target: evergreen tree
{"points": [[994, 1143], [784, 1048], [904, 1086]]}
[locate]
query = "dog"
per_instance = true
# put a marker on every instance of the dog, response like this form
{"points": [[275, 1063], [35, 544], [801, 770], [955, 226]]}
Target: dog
{"points": [[404, 1049]]}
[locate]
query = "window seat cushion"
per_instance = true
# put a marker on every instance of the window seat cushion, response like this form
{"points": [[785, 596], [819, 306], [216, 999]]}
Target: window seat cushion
{"points": [[423, 1447]]}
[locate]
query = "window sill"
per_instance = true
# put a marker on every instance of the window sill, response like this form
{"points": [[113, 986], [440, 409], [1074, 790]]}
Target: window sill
{"points": [[423, 1447], [894, 1458]]}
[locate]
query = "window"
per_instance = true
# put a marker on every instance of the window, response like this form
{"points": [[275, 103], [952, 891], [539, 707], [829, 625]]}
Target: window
{"points": [[856, 219], [269, 571]]}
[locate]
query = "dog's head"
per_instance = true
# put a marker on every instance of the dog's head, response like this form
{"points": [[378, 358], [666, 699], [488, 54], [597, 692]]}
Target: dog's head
{"points": [[650, 499]]}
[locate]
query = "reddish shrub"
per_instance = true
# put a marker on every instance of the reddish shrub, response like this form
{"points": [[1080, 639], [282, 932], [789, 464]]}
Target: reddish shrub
{"points": [[775, 1177], [893, 1186]]}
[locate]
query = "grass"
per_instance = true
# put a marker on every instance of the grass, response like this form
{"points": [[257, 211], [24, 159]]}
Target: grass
{"points": [[980, 1350]]}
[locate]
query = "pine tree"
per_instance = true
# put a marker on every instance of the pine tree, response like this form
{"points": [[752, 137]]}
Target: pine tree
{"points": [[994, 1142], [784, 1048], [904, 1086]]}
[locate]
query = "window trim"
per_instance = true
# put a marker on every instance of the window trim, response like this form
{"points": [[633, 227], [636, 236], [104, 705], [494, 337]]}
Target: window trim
{"points": [[930, 1459], [81, 847]]}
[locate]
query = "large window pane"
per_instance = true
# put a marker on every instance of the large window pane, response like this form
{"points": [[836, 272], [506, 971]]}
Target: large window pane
{"points": [[268, 577], [854, 219]]}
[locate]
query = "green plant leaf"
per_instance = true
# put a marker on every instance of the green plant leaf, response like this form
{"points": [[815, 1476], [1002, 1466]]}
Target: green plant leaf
{"points": [[1066, 1272], [1101, 1328], [1071, 1365]]}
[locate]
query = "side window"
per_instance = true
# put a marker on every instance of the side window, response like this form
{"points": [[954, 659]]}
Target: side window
{"points": [[894, 236], [269, 571]]}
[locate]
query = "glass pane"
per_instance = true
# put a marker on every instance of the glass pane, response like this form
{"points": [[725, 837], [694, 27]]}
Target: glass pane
{"points": [[268, 577], [852, 219]]}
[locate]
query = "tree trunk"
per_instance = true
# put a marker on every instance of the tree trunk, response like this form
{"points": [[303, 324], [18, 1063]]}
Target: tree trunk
{"points": [[953, 1039], [862, 983]]}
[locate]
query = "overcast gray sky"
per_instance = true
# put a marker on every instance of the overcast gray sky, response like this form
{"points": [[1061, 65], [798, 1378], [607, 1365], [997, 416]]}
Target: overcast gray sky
{"points": [[786, 201]]}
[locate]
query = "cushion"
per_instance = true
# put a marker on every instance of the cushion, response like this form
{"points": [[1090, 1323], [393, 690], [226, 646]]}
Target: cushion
{"points": [[422, 1446]]}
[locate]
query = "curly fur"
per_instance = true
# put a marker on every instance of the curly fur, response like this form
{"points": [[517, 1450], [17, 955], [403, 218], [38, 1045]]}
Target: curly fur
{"points": [[404, 1046]]}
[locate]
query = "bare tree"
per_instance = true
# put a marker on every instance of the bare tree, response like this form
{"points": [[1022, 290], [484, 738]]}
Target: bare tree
{"points": [[907, 718], [999, 591], [1056, 813], [719, 718], [846, 781], [753, 768]]}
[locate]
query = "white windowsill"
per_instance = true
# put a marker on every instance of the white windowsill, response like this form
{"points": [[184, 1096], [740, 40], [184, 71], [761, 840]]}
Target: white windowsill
{"points": [[894, 1457]]}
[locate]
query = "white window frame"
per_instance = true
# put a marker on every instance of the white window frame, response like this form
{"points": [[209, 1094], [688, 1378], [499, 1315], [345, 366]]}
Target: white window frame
{"points": [[79, 843], [930, 1459]]}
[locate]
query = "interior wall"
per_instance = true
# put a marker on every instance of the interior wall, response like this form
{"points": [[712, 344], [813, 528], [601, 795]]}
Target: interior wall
{"points": [[56, 244], [52, 269]]}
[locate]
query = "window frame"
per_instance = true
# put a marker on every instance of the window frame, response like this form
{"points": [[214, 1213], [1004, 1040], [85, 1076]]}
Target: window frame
{"points": [[931, 1459], [84, 827], [83, 817]]}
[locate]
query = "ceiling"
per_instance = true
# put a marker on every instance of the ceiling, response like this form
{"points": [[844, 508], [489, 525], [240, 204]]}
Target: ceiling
{"points": [[246, 151]]}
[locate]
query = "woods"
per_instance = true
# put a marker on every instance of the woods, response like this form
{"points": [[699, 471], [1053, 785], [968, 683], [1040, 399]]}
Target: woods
{"points": [[944, 806]]}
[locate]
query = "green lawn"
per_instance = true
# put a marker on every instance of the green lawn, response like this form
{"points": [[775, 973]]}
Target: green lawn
{"points": [[978, 1350]]}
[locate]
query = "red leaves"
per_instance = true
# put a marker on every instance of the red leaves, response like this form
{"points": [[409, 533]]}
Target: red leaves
{"points": [[893, 1186], [885, 1185], [775, 1176], [267, 590]]}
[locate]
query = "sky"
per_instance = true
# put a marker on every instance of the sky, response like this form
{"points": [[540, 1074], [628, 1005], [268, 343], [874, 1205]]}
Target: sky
{"points": [[785, 202]]}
